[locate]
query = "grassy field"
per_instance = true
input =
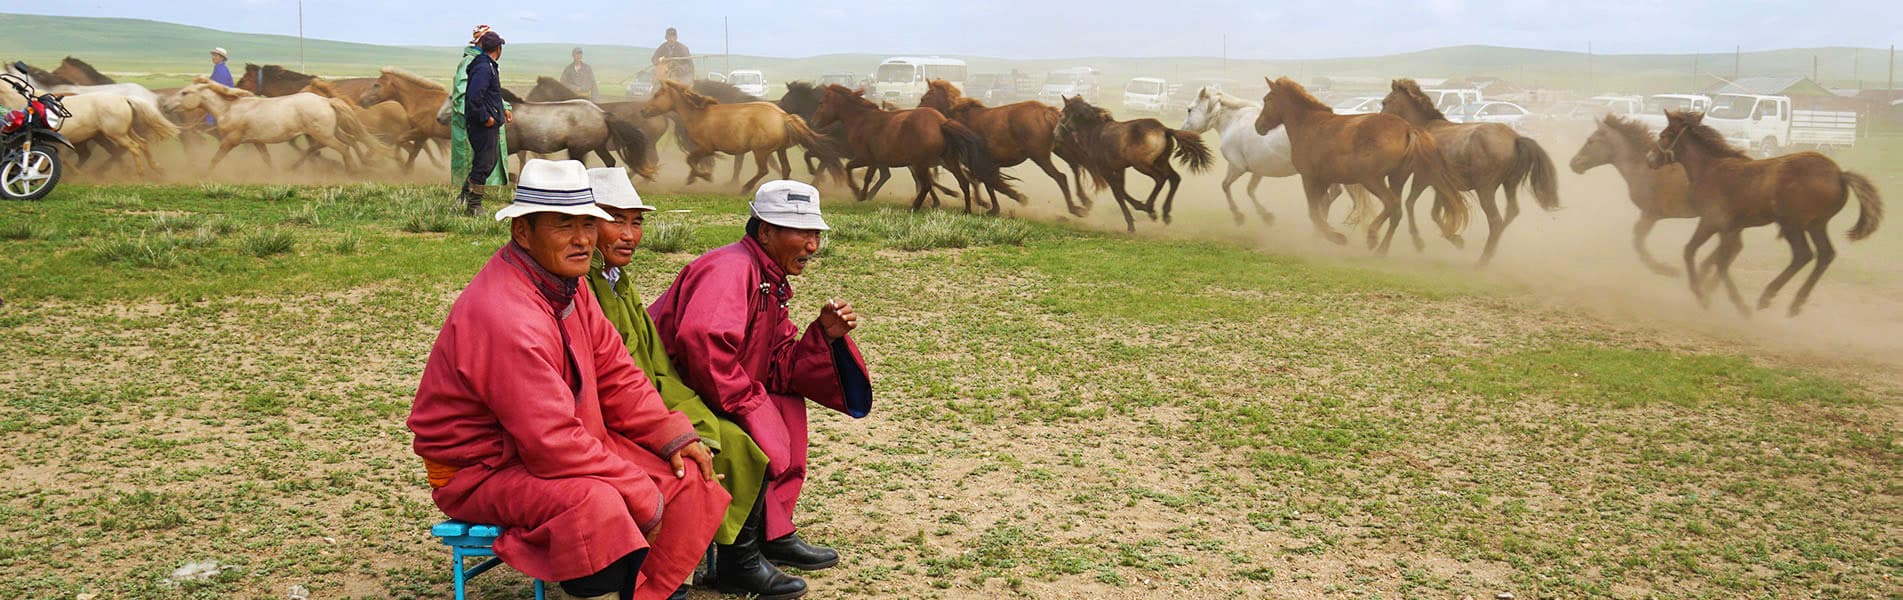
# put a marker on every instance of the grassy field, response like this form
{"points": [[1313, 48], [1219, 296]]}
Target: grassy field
{"points": [[220, 373]]}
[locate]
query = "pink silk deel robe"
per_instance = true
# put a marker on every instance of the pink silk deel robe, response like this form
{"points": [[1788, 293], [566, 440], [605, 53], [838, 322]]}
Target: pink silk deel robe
{"points": [[724, 320], [578, 478]]}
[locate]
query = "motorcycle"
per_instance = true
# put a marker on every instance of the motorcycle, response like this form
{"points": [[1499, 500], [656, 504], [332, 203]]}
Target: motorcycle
{"points": [[29, 143]]}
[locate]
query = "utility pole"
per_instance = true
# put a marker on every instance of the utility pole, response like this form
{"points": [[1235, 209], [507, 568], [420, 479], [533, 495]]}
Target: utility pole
{"points": [[1813, 69], [1737, 60], [726, 43], [300, 35], [1589, 87], [1694, 85], [1225, 56], [1856, 60], [1892, 84]]}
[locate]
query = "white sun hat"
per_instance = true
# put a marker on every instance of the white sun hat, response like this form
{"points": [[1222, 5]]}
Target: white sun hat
{"points": [[557, 186], [220, 52], [789, 204], [614, 190]]}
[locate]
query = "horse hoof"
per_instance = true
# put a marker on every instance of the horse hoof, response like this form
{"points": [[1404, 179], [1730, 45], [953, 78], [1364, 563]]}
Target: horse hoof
{"points": [[1792, 313], [1338, 239], [1457, 241], [1079, 212], [1419, 246]]}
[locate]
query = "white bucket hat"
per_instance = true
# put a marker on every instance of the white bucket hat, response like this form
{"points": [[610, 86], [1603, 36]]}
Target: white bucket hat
{"points": [[789, 204], [613, 189], [220, 52], [557, 186]]}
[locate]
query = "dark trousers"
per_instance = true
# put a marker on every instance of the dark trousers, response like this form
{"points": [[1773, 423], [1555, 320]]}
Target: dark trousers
{"points": [[483, 141], [617, 578]]}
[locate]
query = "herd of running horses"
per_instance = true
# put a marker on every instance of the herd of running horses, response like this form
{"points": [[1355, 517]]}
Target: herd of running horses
{"points": [[1687, 170]]}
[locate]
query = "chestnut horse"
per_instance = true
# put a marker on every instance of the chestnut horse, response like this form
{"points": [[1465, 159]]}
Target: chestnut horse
{"points": [[1661, 193], [757, 127], [387, 121], [1487, 157], [80, 73], [272, 81], [420, 99], [1013, 133], [1106, 147], [1376, 151], [919, 138], [1798, 192]]}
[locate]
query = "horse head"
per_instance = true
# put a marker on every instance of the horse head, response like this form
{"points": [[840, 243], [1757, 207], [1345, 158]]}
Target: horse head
{"points": [[835, 102], [1406, 100], [1679, 125], [1271, 115], [1202, 111], [801, 98]]}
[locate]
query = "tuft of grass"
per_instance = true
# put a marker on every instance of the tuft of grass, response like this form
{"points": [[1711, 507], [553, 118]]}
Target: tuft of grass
{"points": [[169, 222], [277, 193], [146, 252], [929, 230], [346, 246], [217, 191], [22, 230], [667, 237], [270, 242], [305, 215]]}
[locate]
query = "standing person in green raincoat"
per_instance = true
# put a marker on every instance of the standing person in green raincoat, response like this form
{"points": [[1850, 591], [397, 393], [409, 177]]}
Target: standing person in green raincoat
{"points": [[462, 154], [736, 456]]}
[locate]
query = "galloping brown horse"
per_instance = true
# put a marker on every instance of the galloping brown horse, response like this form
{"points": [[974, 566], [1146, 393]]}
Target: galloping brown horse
{"points": [[1661, 193], [1487, 157], [1376, 151], [757, 127], [80, 73], [421, 98], [1013, 133], [919, 138], [1106, 146], [1798, 192], [272, 81]]}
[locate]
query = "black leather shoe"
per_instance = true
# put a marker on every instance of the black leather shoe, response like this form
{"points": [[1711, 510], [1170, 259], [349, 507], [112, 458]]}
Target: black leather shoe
{"points": [[679, 594], [740, 569], [791, 551]]}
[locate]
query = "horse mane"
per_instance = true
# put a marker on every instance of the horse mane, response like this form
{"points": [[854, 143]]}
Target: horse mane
{"points": [[1298, 93], [1634, 132], [965, 103], [279, 72], [221, 89], [414, 79], [85, 68], [1703, 134], [1412, 92], [692, 98], [321, 87], [852, 96], [1231, 102], [799, 87], [44, 76], [721, 92], [951, 91]]}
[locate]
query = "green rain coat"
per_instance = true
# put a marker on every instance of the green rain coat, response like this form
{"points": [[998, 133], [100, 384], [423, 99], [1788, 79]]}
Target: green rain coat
{"points": [[735, 454], [460, 154]]}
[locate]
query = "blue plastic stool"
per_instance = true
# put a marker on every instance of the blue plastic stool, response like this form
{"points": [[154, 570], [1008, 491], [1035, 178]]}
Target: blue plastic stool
{"points": [[466, 540]]}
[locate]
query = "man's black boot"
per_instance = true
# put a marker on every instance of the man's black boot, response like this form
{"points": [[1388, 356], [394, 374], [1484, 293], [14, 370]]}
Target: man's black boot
{"points": [[740, 569], [791, 551], [472, 201]]}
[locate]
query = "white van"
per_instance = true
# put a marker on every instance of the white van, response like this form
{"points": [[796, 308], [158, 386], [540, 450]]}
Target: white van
{"points": [[902, 80], [750, 82], [1146, 95]]}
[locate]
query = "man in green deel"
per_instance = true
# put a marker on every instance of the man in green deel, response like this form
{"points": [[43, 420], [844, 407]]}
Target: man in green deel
{"points": [[461, 154], [736, 457]]}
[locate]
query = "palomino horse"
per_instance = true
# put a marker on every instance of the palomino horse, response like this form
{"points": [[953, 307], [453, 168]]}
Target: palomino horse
{"points": [[387, 121], [1731, 192], [1258, 155], [272, 81], [1106, 147], [1661, 193], [47, 82], [420, 99], [1013, 133], [1485, 156], [919, 139], [80, 73], [1376, 151], [711, 126], [244, 118], [123, 125]]}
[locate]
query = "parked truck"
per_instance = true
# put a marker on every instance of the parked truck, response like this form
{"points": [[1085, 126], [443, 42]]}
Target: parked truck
{"points": [[1769, 126], [1146, 96]]}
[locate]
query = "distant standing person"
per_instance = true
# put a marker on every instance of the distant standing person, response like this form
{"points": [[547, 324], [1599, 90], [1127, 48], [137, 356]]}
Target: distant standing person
{"points": [[673, 60], [476, 128], [219, 73], [579, 76]]}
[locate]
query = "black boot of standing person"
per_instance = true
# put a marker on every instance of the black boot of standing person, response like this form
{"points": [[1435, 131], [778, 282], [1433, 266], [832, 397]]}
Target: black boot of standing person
{"points": [[471, 199], [741, 569], [791, 551]]}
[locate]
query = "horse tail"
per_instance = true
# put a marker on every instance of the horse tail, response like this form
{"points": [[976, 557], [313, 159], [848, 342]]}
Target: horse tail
{"points": [[1533, 166], [632, 143], [797, 131], [964, 146], [1424, 160], [351, 131], [1191, 150], [1869, 205], [149, 122]]}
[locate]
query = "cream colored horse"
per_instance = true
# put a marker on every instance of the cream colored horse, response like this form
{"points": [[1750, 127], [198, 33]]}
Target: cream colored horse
{"points": [[129, 124], [244, 118]]}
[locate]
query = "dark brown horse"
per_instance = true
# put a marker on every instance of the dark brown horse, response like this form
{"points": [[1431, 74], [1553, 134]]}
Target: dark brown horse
{"points": [[802, 98], [272, 81], [1661, 193], [919, 139], [1106, 147], [1376, 151], [1487, 157], [80, 73], [1013, 133], [711, 126], [1797, 192]]}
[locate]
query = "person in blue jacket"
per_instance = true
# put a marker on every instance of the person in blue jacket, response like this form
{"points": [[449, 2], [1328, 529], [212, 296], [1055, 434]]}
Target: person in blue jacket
{"points": [[484, 115], [221, 74]]}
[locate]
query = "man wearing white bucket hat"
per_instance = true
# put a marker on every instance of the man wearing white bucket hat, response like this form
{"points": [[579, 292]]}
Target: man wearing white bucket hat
{"points": [[219, 73], [531, 415], [725, 322], [737, 460]]}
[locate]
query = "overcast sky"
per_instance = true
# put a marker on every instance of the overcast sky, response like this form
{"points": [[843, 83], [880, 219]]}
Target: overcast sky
{"points": [[1053, 29]]}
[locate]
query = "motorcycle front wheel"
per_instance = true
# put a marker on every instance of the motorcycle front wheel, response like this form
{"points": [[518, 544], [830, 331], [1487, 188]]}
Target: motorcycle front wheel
{"points": [[30, 178]]}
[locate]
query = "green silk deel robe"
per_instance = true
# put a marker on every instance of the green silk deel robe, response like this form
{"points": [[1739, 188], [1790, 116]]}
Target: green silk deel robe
{"points": [[735, 454], [460, 154]]}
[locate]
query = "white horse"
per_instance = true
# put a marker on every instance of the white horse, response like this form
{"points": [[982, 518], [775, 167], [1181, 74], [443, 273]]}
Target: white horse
{"points": [[244, 118], [129, 90], [129, 124], [1258, 155]]}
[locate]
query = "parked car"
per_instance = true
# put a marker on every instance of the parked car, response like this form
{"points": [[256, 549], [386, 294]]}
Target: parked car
{"points": [[1146, 96], [642, 88], [1652, 113], [1358, 105], [1074, 81], [993, 89], [749, 81], [1490, 112], [845, 79], [902, 79], [1449, 99]]}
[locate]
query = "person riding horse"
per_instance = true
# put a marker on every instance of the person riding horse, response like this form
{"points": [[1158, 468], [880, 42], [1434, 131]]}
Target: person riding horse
{"points": [[672, 61]]}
